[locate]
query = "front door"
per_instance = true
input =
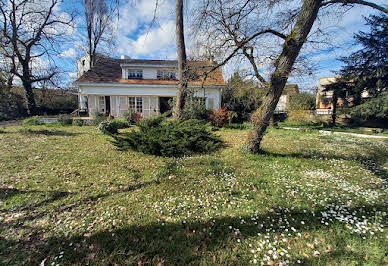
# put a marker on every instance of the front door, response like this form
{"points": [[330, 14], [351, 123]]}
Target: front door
{"points": [[164, 104], [107, 105]]}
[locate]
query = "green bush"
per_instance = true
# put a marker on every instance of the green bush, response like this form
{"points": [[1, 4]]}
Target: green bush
{"points": [[33, 121], [65, 120], [78, 122], [194, 109], [170, 138], [112, 127], [97, 118]]}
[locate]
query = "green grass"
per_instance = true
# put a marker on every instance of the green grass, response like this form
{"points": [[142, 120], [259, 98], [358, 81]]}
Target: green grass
{"points": [[338, 128], [67, 196]]}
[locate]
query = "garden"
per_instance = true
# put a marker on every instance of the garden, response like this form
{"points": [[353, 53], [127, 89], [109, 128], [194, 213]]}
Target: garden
{"points": [[70, 195]]}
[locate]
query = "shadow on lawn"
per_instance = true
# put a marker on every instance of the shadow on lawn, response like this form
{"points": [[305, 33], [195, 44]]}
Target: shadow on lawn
{"points": [[173, 243], [28, 131]]}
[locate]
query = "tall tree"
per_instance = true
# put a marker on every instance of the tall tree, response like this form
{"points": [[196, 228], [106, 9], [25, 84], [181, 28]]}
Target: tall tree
{"points": [[182, 62], [30, 31], [234, 28], [98, 15], [364, 71]]}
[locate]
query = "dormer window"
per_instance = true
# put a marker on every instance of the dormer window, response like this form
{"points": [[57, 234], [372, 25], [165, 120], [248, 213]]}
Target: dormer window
{"points": [[135, 74], [166, 75]]}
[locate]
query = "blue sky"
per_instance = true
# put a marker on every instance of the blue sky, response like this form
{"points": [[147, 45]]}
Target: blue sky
{"points": [[136, 39]]}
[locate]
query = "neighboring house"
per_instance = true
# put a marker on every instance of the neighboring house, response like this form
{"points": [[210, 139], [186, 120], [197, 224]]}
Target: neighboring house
{"points": [[114, 86], [286, 98], [324, 99]]}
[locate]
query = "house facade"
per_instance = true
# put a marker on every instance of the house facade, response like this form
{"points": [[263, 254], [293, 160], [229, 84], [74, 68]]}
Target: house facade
{"points": [[324, 98], [115, 86]]}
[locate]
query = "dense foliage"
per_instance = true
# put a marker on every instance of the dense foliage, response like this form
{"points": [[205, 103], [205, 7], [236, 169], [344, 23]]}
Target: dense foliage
{"points": [[219, 118], [112, 126], [170, 138], [373, 108], [195, 109], [302, 101], [242, 96], [65, 120], [365, 72]]}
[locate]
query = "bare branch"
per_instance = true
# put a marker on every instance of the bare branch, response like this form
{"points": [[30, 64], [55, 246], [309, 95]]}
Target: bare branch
{"points": [[359, 2]]}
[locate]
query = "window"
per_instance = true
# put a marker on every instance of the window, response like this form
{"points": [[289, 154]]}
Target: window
{"points": [[136, 104], [135, 74], [83, 102], [139, 104], [166, 75], [101, 104], [132, 104]]}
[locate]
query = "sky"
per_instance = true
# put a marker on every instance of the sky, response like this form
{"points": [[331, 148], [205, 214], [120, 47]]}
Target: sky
{"points": [[137, 39]]}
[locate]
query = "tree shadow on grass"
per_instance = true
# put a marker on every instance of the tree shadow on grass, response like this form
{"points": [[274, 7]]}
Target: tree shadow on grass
{"points": [[28, 131], [174, 243]]}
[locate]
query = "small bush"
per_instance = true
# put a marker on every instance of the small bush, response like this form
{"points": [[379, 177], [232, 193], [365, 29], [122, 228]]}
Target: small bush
{"points": [[111, 127], [219, 118], [170, 138], [194, 109], [33, 121], [78, 122], [97, 118], [132, 117], [65, 120]]}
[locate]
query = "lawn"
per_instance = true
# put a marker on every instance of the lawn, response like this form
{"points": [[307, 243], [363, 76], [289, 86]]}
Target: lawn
{"points": [[67, 196]]}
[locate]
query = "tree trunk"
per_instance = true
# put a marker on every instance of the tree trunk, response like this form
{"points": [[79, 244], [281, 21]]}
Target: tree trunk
{"points": [[334, 110], [29, 96], [284, 63], [181, 51]]}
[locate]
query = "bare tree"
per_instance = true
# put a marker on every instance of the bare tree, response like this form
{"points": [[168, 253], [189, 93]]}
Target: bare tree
{"points": [[30, 32], [98, 15], [182, 62], [234, 29]]}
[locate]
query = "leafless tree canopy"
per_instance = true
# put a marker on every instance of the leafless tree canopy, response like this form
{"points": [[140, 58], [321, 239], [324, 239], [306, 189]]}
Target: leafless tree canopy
{"points": [[99, 15], [268, 34], [30, 32]]}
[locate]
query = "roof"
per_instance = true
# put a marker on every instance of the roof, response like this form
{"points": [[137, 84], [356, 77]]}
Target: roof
{"points": [[108, 70]]}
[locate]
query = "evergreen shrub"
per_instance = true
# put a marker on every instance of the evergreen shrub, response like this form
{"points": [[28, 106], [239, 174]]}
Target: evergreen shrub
{"points": [[169, 138], [111, 127], [78, 122]]}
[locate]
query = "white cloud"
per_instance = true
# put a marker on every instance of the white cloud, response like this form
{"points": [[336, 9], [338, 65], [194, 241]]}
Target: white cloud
{"points": [[137, 39], [71, 53]]}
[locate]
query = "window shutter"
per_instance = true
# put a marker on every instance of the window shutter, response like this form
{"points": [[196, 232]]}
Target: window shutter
{"points": [[123, 105]]}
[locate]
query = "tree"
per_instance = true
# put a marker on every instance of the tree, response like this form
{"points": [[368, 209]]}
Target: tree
{"points": [[182, 62], [30, 31], [98, 15], [302, 101], [242, 96], [237, 27], [365, 71]]}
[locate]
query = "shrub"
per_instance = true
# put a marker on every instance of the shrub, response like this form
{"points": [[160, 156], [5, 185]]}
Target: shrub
{"points": [[33, 121], [97, 118], [195, 109], [111, 127], [65, 120], [132, 117], [219, 118], [304, 118], [78, 122], [170, 138]]}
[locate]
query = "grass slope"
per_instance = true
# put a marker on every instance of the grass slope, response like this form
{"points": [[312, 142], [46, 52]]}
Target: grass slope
{"points": [[68, 197]]}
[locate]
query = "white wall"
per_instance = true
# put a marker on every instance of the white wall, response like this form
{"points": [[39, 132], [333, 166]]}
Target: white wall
{"points": [[118, 93]]}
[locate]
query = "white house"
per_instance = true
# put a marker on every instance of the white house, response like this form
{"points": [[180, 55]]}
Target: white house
{"points": [[114, 86]]}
